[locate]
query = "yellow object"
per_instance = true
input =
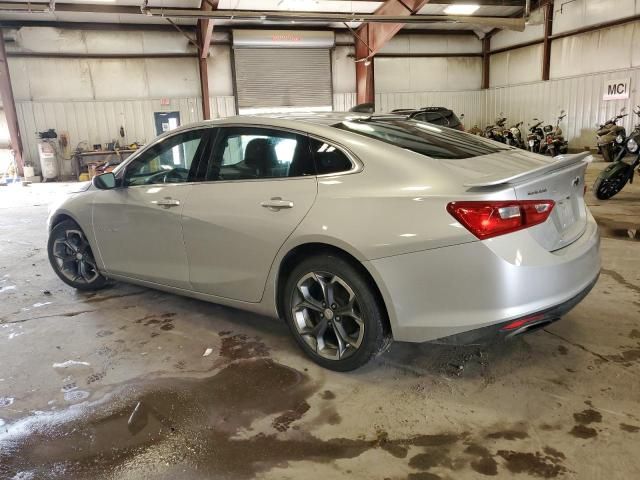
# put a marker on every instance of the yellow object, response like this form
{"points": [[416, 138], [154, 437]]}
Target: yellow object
{"points": [[84, 177]]}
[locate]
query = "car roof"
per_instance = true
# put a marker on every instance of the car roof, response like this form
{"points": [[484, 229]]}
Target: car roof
{"points": [[331, 118], [310, 121]]}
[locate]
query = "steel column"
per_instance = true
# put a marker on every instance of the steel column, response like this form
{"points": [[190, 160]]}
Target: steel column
{"points": [[486, 61], [546, 43], [9, 107], [203, 68], [364, 67], [205, 33]]}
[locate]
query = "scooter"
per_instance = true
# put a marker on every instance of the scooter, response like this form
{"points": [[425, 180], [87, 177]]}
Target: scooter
{"points": [[611, 137], [497, 131], [513, 136], [613, 178], [554, 142], [535, 136]]}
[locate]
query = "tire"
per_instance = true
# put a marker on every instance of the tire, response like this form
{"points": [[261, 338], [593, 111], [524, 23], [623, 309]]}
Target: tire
{"points": [[71, 257], [358, 326], [606, 188]]}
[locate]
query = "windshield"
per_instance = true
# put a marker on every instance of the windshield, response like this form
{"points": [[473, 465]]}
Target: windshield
{"points": [[423, 138]]}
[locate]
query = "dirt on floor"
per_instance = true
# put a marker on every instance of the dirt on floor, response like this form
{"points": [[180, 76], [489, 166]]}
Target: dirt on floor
{"points": [[132, 383]]}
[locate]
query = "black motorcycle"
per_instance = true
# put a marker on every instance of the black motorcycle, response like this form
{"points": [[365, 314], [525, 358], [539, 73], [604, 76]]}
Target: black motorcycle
{"points": [[613, 178], [535, 136], [497, 131]]}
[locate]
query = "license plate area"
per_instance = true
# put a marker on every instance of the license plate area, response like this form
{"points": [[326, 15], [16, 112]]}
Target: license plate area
{"points": [[565, 213], [568, 218]]}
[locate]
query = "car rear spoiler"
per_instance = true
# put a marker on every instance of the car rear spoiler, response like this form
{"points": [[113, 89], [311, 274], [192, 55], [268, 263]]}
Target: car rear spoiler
{"points": [[560, 161]]}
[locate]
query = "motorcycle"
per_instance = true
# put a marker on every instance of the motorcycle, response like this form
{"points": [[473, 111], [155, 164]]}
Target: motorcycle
{"points": [[554, 142], [475, 130], [497, 131], [513, 136], [613, 178], [535, 136], [611, 137]]}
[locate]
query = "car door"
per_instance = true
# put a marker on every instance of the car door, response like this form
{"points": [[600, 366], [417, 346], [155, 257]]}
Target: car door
{"points": [[138, 224], [260, 185]]}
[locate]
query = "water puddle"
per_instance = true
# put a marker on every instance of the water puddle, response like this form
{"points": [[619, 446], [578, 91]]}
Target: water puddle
{"points": [[214, 428], [191, 422]]}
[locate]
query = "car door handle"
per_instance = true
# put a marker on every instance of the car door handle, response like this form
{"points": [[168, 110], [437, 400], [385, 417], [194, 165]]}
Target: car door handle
{"points": [[277, 203], [167, 203]]}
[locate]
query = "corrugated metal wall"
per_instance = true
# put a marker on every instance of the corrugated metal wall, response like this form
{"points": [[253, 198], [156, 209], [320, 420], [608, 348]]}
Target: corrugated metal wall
{"points": [[411, 74], [99, 121], [342, 102], [580, 96], [471, 103]]}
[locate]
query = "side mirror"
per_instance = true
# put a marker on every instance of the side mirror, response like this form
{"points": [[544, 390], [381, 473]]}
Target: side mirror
{"points": [[106, 181]]}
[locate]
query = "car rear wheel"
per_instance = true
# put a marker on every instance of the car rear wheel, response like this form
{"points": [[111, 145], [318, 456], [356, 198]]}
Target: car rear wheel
{"points": [[334, 314], [71, 257]]}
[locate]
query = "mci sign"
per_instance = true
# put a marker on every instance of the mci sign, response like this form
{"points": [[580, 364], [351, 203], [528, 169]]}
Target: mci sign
{"points": [[616, 89]]}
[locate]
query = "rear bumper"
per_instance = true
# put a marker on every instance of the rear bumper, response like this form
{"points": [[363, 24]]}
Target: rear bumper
{"points": [[481, 285], [526, 324]]}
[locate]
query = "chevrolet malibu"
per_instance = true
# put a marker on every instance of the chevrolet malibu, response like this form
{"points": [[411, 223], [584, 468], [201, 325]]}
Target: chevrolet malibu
{"points": [[355, 229]]}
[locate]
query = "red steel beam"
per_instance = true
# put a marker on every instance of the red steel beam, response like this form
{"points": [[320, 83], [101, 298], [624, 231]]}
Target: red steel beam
{"points": [[546, 44], [486, 61], [371, 37], [9, 107], [204, 33]]}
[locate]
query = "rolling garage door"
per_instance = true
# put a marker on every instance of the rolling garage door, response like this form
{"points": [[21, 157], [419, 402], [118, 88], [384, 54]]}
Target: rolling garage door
{"points": [[282, 74]]}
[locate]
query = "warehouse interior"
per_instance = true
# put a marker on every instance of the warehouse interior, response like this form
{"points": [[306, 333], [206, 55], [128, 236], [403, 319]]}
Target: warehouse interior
{"points": [[130, 382]]}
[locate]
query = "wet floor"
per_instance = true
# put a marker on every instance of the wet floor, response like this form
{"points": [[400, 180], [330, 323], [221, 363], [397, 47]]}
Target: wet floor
{"points": [[130, 383]]}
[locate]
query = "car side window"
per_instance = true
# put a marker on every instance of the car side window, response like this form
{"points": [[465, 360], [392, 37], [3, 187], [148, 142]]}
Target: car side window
{"points": [[243, 153], [329, 159], [169, 161]]}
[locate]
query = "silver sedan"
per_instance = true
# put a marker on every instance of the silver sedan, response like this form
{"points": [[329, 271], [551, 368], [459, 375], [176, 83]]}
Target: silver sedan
{"points": [[354, 229]]}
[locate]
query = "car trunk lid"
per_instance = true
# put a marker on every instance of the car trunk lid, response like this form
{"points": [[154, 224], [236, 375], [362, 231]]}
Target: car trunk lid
{"points": [[534, 177]]}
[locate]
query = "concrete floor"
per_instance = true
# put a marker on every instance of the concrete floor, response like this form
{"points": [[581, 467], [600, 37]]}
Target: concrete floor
{"points": [[115, 384]]}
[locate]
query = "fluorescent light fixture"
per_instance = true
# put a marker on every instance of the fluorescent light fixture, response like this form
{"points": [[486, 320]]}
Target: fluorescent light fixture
{"points": [[461, 9]]}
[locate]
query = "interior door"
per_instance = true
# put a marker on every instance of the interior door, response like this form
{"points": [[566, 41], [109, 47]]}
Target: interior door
{"points": [[138, 224], [261, 184], [166, 121]]}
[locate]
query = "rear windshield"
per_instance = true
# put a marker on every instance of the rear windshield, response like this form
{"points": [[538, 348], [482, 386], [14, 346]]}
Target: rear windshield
{"points": [[423, 138], [446, 118]]}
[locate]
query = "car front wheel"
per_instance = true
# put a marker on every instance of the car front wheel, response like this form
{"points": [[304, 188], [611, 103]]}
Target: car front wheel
{"points": [[334, 314], [71, 257]]}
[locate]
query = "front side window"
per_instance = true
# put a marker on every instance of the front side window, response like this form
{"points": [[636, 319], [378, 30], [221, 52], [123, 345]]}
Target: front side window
{"points": [[169, 161], [244, 153]]}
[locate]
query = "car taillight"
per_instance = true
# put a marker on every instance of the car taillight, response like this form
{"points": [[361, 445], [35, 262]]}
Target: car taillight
{"points": [[492, 218]]}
